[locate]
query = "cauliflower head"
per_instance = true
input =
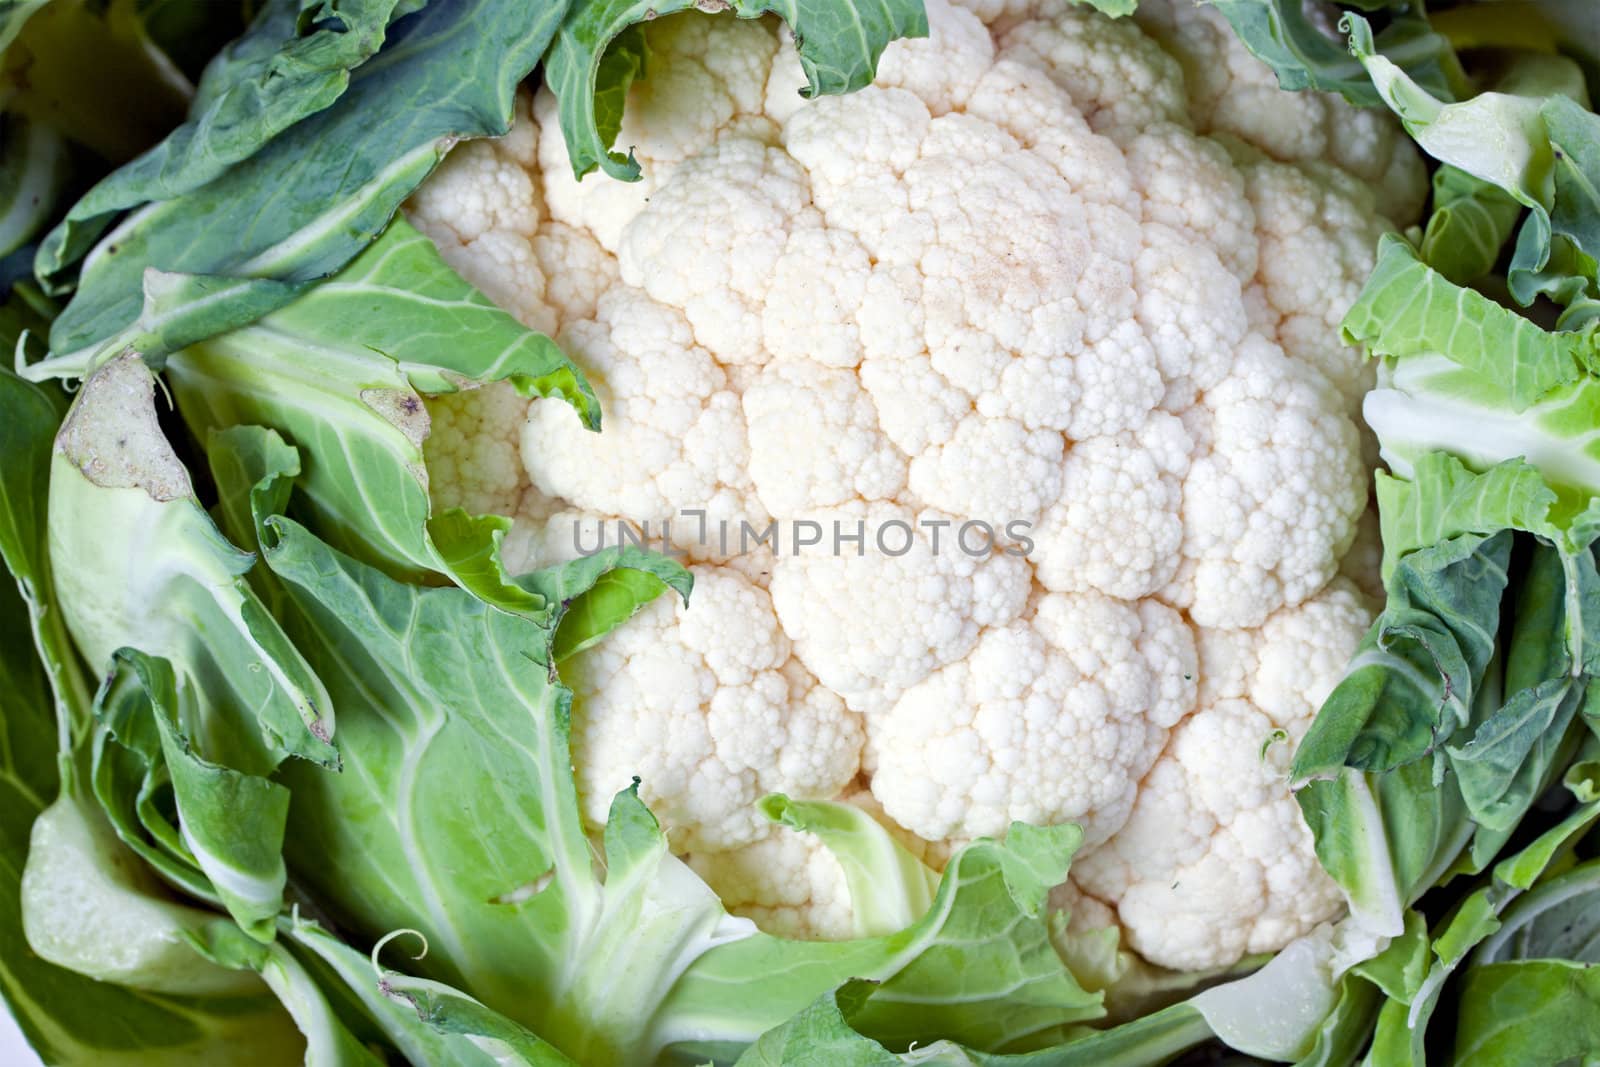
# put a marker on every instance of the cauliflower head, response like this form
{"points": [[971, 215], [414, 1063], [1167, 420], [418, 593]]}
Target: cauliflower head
{"points": [[1072, 278]]}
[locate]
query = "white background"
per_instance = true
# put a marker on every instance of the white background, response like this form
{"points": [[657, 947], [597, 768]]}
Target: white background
{"points": [[14, 1051]]}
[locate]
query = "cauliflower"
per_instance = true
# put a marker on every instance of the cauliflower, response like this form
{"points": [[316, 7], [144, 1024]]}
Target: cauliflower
{"points": [[1071, 278], [1214, 861], [1063, 712], [712, 711]]}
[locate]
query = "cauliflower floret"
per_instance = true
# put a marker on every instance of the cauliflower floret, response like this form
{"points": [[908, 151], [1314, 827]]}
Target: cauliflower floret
{"points": [[1215, 861], [1120, 80], [546, 534], [1118, 524], [482, 210], [1055, 719], [1273, 495], [787, 883], [710, 710], [870, 633], [577, 269], [474, 452], [1074, 279], [1191, 184], [711, 238], [1231, 92], [706, 78], [815, 442], [676, 436], [1317, 230]]}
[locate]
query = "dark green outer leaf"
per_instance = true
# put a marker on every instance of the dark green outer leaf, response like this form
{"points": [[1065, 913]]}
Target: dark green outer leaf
{"points": [[87, 69], [1559, 919], [1505, 764], [34, 166], [839, 43], [317, 194], [1412, 681], [285, 68], [32, 414], [191, 34], [1575, 136], [1474, 924]]}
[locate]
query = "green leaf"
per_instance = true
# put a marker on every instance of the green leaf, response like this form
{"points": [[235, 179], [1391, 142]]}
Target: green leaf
{"points": [[293, 62], [342, 372], [1477, 919], [451, 720], [1503, 767], [73, 1019], [128, 776], [1471, 221], [88, 70], [825, 1032], [1426, 404], [613, 595], [1557, 920], [977, 968], [1412, 681], [33, 413], [1115, 8], [374, 990], [230, 825], [329, 1043], [889, 887], [1348, 1028], [451, 1013], [69, 1018], [1523, 869], [1528, 1013], [1303, 57], [1407, 309], [1444, 500], [1575, 141], [34, 167], [190, 34], [325, 188], [153, 571], [1506, 139], [839, 42], [1434, 671], [90, 906], [13, 14]]}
